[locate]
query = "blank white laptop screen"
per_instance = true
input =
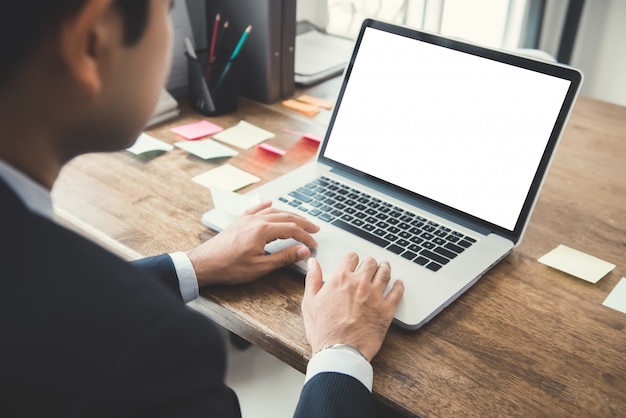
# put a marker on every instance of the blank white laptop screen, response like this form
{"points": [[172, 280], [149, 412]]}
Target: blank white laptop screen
{"points": [[419, 116]]}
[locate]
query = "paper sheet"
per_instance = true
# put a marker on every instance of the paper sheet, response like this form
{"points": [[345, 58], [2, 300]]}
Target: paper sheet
{"points": [[197, 130], [244, 135], [147, 143], [577, 263], [207, 149], [226, 177], [617, 298], [228, 207]]}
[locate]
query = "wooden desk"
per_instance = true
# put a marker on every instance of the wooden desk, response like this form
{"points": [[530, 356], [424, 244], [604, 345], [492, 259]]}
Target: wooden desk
{"points": [[526, 340]]}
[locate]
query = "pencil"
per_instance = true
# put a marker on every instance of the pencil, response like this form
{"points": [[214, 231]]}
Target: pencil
{"points": [[216, 26], [242, 40], [235, 53]]}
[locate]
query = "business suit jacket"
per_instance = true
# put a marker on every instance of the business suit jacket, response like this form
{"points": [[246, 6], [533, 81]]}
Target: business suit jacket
{"points": [[86, 334]]}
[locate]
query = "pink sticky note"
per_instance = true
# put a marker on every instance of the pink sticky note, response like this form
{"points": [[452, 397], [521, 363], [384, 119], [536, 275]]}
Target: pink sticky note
{"points": [[312, 137], [271, 149], [197, 130]]}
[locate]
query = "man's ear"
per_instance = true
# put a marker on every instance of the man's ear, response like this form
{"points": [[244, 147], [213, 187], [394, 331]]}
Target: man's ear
{"points": [[85, 39]]}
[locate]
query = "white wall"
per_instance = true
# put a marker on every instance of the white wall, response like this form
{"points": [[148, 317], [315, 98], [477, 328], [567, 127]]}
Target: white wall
{"points": [[600, 48]]}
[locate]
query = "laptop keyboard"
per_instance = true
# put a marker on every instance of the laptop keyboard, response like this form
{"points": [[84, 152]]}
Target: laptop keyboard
{"points": [[400, 231]]}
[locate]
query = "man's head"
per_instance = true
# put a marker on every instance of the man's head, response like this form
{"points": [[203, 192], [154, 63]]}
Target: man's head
{"points": [[78, 76], [24, 23]]}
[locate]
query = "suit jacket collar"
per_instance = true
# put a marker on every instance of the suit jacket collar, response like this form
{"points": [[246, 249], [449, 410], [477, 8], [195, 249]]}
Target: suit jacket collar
{"points": [[32, 195]]}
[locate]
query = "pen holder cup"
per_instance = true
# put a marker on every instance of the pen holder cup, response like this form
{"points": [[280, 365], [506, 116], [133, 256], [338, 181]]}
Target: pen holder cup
{"points": [[212, 91]]}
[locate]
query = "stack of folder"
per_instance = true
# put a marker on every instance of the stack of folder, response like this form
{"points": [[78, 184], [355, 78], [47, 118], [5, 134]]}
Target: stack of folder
{"points": [[266, 64]]}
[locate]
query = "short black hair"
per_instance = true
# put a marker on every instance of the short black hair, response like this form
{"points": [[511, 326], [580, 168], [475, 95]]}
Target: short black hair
{"points": [[23, 23]]}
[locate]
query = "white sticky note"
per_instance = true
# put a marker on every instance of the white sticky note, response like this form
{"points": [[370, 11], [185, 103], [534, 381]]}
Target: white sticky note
{"points": [[244, 135], [617, 298], [577, 263], [207, 149], [228, 207], [226, 177], [147, 143], [232, 202]]}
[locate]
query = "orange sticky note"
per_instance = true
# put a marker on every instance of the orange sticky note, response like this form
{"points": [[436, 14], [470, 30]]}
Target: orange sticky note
{"points": [[326, 104], [307, 109]]}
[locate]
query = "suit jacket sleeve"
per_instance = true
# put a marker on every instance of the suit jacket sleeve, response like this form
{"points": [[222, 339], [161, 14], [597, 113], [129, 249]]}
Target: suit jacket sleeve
{"points": [[335, 395], [161, 267]]}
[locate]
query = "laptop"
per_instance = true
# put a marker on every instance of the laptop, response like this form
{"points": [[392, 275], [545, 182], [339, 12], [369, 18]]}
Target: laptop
{"points": [[434, 157]]}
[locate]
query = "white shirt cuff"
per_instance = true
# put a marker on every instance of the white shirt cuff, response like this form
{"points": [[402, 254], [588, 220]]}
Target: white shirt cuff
{"points": [[341, 361], [187, 279]]}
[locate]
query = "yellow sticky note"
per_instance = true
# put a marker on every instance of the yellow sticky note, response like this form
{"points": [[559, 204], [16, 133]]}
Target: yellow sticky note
{"points": [[617, 298], [577, 263], [226, 177]]}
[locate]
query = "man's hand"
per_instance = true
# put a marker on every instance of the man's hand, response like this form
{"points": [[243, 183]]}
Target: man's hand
{"points": [[350, 307], [236, 255]]}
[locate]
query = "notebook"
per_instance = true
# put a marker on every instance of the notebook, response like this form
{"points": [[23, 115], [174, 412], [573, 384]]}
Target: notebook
{"points": [[433, 160]]}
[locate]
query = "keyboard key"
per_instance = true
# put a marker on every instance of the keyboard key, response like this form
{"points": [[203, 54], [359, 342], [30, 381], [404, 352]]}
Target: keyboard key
{"points": [[446, 253], [326, 217], [429, 245], [306, 191], [416, 240], [391, 237], [433, 266], [300, 196], [315, 212], [427, 236], [457, 249], [395, 249], [361, 233], [434, 257], [415, 248], [465, 244], [422, 261], [470, 239], [409, 255], [403, 243], [357, 222]]}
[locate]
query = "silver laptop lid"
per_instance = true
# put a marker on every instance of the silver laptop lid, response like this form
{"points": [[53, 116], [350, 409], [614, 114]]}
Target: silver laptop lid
{"points": [[460, 128]]}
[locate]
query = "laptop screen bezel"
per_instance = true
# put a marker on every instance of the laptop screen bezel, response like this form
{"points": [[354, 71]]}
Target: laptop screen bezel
{"points": [[556, 70]]}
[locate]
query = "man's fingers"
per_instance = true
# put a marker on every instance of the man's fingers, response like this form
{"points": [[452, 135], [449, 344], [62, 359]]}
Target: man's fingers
{"points": [[313, 281], [394, 296], [382, 275], [258, 208]]}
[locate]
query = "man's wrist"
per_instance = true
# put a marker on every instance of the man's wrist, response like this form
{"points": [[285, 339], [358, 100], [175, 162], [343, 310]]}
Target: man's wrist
{"points": [[342, 359], [347, 347]]}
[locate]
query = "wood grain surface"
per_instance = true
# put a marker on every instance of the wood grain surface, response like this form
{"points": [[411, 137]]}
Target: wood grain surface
{"points": [[526, 340]]}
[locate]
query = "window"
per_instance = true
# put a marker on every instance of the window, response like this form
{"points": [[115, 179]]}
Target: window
{"points": [[495, 23]]}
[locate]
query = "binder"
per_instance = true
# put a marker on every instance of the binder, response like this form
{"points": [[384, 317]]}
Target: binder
{"points": [[265, 66]]}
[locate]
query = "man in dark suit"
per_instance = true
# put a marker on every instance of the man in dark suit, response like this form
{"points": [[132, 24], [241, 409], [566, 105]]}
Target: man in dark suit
{"points": [[86, 334]]}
